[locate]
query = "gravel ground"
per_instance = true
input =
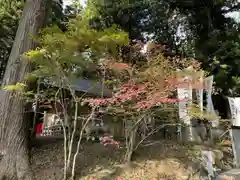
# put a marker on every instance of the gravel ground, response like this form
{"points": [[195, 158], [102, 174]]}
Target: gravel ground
{"points": [[160, 160]]}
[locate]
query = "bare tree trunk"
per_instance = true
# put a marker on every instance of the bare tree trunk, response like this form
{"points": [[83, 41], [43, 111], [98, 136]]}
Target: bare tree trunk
{"points": [[130, 138], [15, 162]]}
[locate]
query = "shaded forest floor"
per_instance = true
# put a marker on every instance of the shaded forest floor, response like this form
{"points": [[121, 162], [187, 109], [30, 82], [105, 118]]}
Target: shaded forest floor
{"points": [[162, 160]]}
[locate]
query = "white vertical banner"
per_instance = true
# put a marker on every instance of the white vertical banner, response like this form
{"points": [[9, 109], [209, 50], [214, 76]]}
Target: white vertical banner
{"points": [[234, 104], [200, 91], [185, 94], [237, 105], [208, 84], [232, 107]]}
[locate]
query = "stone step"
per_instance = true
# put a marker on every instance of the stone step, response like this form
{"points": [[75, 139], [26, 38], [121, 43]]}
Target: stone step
{"points": [[233, 174]]}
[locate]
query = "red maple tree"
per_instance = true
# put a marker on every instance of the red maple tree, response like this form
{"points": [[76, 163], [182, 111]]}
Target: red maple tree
{"points": [[143, 91], [143, 88]]}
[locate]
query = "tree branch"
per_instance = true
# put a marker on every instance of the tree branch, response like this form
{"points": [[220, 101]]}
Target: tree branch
{"points": [[233, 8]]}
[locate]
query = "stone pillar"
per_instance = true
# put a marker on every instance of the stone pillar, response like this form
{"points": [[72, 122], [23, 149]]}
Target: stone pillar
{"points": [[235, 136], [234, 103]]}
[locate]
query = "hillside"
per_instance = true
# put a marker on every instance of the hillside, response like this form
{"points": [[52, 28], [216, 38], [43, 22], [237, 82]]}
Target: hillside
{"points": [[159, 160]]}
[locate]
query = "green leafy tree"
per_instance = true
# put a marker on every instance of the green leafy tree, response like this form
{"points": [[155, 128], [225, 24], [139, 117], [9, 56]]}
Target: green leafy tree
{"points": [[66, 56], [207, 30], [216, 37], [10, 13]]}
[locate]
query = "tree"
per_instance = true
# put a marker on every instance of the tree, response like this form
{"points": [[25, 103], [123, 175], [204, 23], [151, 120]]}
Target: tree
{"points": [[61, 58], [72, 10], [10, 13], [152, 20], [216, 38], [15, 162], [123, 13], [145, 91], [199, 29]]}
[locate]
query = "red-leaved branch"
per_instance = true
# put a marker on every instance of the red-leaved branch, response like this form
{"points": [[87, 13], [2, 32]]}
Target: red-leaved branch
{"points": [[154, 88]]}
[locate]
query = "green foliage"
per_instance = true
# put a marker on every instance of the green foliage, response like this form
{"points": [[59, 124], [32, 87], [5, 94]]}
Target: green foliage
{"points": [[18, 87], [73, 10], [207, 30], [10, 12], [216, 35], [126, 14], [202, 115], [65, 56]]}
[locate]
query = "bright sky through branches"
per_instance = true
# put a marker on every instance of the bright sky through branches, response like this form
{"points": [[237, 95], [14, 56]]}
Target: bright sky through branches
{"points": [[67, 2]]}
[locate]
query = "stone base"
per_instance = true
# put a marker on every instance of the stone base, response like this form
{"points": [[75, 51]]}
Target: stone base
{"points": [[233, 174], [193, 134]]}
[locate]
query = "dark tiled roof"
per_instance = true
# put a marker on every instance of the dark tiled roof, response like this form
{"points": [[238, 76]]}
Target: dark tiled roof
{"points": [[86, 86], [89, 86]]}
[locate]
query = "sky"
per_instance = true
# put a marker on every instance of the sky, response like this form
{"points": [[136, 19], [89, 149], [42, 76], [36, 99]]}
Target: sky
{"points": [[67, 2]]}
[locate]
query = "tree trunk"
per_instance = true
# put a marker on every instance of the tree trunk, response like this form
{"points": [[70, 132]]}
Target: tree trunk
{"points": [[130, 136], [15, 161]]}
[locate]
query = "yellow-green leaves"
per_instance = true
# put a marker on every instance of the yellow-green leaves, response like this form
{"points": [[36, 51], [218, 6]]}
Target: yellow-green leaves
{"points": [[224, 66], [215, 61], [90, 11], [19, 87], [195, 112], [31, 77], [33, 54], [112, 35], [65, 52]]}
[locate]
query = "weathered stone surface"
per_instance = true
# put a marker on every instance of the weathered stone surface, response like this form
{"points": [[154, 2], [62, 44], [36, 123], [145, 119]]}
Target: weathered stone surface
{"points": [[233, 174], [236, 146]]}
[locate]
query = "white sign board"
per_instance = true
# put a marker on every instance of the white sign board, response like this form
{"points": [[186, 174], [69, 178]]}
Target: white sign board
{"points": [[208, 84], [234, 104]]}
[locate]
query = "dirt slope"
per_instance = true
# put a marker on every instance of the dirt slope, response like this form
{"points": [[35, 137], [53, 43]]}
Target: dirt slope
{"points": [[159, 161]]}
